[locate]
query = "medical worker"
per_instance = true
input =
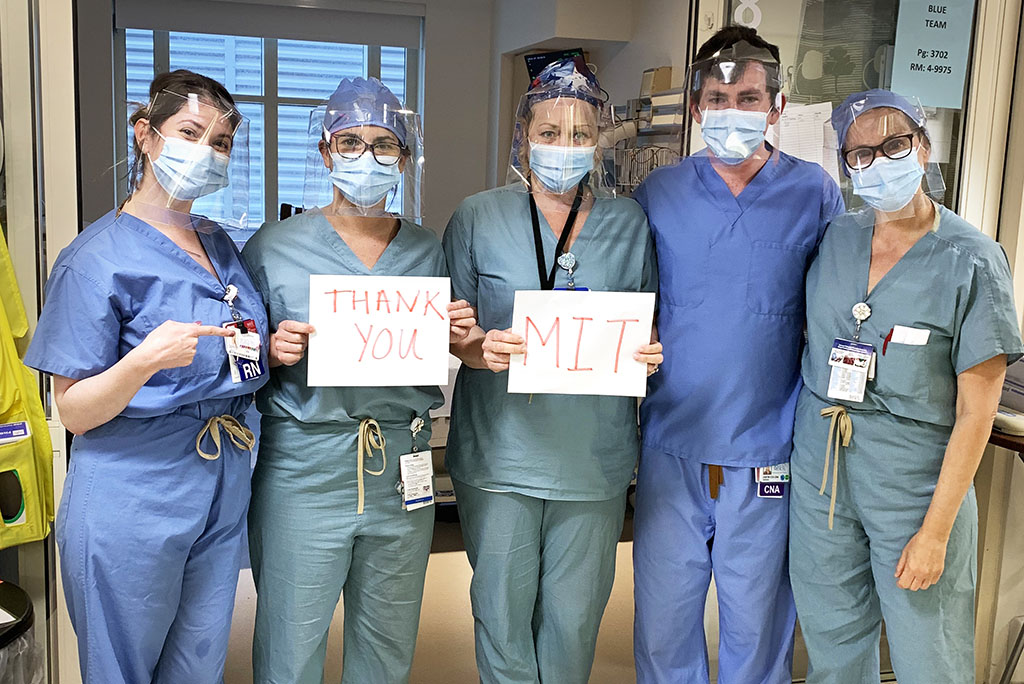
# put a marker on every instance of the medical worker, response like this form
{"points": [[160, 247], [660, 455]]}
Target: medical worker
{"points": [[735, 226], [883, 523], [155, 337], [541, 480], [327, 517]]}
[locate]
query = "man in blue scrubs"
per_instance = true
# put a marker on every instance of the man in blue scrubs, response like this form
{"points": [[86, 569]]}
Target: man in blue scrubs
{"points": [[734, 227]]}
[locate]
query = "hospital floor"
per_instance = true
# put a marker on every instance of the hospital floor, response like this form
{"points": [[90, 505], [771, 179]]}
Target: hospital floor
{"points": [[444, 650]]}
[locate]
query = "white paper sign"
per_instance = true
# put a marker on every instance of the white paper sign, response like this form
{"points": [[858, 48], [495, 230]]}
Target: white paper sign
{"points": [[378, 331], [581, 342]]}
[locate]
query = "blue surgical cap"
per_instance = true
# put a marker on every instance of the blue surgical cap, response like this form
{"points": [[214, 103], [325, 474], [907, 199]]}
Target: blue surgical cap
{"points": [[858, 103], [569, 77], [364, 102]]}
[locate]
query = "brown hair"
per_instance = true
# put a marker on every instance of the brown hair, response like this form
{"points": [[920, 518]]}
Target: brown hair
{"points": [[158, 110]]}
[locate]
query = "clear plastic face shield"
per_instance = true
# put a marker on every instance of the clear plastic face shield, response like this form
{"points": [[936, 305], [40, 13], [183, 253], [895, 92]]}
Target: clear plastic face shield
{"points": [[560, 142], [735, 95], [884, 151], [365, 158], [194, 163]]}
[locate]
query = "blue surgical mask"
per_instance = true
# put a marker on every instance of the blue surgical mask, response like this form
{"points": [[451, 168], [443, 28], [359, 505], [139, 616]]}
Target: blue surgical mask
{"points": [[733, 134], [889, 184], [363, 181], [560, 168], [188, 170]]}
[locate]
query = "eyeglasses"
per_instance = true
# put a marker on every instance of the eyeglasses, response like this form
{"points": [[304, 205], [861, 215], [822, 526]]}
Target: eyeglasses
{"points": [[895, 147], [386, 153]]}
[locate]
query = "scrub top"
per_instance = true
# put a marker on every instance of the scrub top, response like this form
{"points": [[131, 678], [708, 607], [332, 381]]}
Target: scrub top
{"points": [[120, 279], [971, 319], [281, 256], [552, 446], [731, 306]]}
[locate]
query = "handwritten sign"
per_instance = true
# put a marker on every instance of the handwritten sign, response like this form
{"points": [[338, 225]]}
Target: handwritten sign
{"points": [[378, 331], [933, 38], [581, 342]]}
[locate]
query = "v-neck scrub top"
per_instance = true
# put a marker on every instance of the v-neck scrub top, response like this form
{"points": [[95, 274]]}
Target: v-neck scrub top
{"points": [[954, 283], [731, 306], [281, 257], [120, 279], [552, 446]]}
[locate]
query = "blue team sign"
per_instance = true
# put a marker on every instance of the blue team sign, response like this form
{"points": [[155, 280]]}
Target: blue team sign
{"points": [[933, 39]]}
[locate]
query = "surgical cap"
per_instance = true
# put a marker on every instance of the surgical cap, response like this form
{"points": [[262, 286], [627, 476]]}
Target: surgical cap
{"points": [[364, 102], [858, 103], [568, 77]]}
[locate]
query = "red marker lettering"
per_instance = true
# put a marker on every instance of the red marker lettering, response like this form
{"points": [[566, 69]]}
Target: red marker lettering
{"points": [[391, 342], [401, 300], [382, 296], [365, 338], [429, 304], [579, 340], [335, 294], [556, 330], [622, 332], [411, 348], [365, 300]]}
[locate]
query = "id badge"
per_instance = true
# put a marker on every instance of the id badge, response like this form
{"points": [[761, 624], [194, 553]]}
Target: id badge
{"points": [[417, 472], [14, 432], [244, 351], [772, 481], [852, 364]]}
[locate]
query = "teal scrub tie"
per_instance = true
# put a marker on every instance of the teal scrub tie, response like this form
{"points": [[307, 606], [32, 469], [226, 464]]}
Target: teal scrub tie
{"points": [[840, 430]]}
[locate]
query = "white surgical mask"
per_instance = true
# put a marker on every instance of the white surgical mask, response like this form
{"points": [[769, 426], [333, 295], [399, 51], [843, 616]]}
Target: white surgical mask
{"points": [[187, 170], [561, 168], [363, 181]]}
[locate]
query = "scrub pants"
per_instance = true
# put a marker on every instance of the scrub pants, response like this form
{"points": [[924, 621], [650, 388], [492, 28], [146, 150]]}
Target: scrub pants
{"points": [[681, 535], [843, 578], [150, 537], [542, 574], [309, 546]]}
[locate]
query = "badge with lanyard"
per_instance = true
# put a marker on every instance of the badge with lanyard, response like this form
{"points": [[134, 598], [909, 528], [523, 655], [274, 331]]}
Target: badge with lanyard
{"points": [[852, 362], [417, 473], [564, 259], [244, 348]]}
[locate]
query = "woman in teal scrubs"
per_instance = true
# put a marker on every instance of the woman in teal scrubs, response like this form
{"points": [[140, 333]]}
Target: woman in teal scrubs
{"points": [[883, 518], [326, 519], [541, 480]]}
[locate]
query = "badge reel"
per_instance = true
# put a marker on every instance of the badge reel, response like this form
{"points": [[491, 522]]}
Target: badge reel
{"points": [[772, 480], [567, 262], [244, 348], [852, 362], [416, 486]]}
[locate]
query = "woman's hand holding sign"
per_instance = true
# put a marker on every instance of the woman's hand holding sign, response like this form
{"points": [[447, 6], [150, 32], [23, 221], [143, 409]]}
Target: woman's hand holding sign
{"points": [[288, 343]]}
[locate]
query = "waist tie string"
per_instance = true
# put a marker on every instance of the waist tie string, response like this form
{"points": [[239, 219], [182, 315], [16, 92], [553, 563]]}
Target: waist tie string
{"points": [[370, 438], [840, 430], [716, 478], [239, 435]]}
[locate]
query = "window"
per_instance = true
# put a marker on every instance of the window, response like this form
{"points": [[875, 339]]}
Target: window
{"points": [[277, 83]]}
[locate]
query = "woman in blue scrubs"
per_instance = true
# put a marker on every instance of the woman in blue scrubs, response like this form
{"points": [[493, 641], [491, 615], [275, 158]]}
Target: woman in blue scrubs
{"points": [[327, 518], [140, 308], [911, 324], [541, 480]]}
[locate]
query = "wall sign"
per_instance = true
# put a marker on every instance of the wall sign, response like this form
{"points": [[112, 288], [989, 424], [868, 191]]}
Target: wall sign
{"points": [[933, 39]]}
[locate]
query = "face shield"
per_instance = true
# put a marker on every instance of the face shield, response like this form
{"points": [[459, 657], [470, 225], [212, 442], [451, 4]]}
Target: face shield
{"points": [[560, 142], [884, 149], [737, 94], [194, 163], [365, 154]]}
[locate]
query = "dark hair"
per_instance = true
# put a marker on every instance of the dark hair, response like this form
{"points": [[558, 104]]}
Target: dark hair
{"points": [[158, 110], [724, 39]]}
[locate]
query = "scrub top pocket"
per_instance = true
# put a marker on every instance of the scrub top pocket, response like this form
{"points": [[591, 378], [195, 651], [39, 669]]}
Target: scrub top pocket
{"points": [[691, 261], [775, 278], [903, 371]]}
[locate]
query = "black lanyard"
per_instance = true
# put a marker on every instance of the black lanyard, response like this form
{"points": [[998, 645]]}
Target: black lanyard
{"points": [[547, 280]]}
